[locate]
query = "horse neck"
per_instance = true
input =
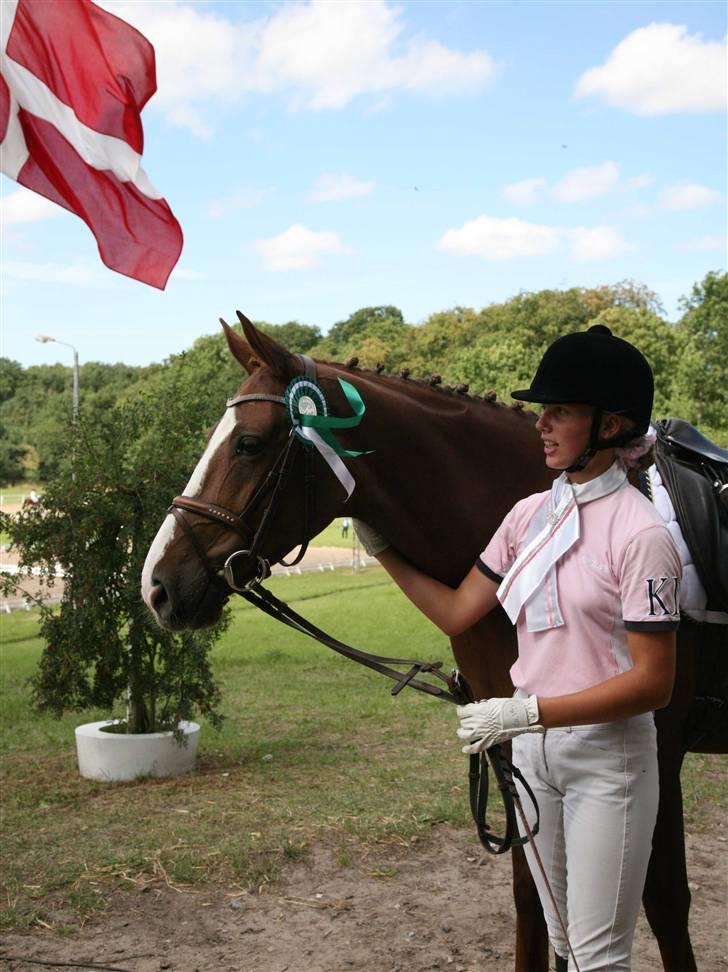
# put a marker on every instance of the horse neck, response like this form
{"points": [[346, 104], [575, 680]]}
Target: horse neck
{"points": [[444, 471]]}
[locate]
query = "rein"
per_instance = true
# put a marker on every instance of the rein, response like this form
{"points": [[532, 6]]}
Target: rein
{"points": [[457, 691]]}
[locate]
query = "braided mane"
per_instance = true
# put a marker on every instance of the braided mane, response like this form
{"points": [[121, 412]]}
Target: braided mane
{"points": [[433, 381]]}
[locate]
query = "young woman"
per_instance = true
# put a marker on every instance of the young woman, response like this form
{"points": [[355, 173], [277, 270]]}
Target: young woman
{"points": [[589, 575]]}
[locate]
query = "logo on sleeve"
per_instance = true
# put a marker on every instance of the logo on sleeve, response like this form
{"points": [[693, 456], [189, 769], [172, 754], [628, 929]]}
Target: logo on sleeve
{"points": [[662, 594]]}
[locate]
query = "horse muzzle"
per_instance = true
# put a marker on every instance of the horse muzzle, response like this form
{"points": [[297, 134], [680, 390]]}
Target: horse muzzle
{"points": [[182, 603]]}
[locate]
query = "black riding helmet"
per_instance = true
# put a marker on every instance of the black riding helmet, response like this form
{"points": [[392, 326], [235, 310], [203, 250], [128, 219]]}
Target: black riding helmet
{"points": [[595, 368]]}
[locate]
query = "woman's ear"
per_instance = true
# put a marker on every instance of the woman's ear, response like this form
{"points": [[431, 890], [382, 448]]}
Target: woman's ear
{"points": [[613, 424]]}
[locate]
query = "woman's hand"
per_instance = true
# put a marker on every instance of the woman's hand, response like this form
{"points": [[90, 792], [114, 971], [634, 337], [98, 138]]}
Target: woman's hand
{"points": [[492, 721]]}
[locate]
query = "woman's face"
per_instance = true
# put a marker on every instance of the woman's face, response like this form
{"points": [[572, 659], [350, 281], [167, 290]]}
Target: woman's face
{"points": [[564, 431]]}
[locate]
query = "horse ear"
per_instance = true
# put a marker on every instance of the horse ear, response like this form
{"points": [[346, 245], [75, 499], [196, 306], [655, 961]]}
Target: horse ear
{"points": [[240, 349], [280, 361]]}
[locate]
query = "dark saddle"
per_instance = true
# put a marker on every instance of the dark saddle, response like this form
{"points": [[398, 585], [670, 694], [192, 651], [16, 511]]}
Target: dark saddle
{"points": [[695, 473]]}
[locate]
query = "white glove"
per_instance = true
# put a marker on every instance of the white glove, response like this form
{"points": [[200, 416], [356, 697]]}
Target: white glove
{"points": [[372, 541], [492, 721]]}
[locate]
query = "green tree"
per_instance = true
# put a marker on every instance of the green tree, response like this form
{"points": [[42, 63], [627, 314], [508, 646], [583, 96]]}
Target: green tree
{"points": [[12, 454], [498, 366], [656, 339], [701, 367], [440, 336], [298, 338], [99, 515], [345, 338], [11, 374]]}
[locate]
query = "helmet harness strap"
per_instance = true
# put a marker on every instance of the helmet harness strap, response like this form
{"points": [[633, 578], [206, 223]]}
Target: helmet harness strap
{"points": [[594, 445]]}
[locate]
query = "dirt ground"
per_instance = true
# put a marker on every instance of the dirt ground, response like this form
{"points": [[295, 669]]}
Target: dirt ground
{"points": [[440, 905]]}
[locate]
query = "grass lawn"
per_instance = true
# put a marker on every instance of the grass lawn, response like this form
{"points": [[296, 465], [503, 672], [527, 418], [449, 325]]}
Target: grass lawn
{"points": [[331, 536], [314, 748]]}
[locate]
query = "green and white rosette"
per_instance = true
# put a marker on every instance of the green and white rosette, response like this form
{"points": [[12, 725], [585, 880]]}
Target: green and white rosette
{"points": [[308, 413]]}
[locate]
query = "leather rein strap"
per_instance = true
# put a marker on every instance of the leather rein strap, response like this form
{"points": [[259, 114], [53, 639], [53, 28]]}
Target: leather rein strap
{"points": [[457, 691]]}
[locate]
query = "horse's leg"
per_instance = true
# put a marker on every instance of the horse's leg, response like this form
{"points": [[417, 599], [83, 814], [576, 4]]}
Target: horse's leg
{"points": [[666, 896], [484, 655], [532, 943]]}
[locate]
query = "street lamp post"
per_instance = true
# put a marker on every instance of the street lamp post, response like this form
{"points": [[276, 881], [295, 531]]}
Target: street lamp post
{"points": [[44, 339]]}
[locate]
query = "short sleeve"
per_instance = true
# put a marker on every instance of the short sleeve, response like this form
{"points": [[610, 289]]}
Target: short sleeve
{"points": [[496, 560], [649, 582]]}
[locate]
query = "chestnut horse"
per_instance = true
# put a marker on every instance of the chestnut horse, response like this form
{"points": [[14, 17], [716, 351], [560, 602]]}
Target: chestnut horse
{"points": [[435, 471]]}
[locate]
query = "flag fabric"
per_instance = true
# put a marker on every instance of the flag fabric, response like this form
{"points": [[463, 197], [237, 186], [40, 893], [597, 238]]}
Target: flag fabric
{"points": [[73, 82]]}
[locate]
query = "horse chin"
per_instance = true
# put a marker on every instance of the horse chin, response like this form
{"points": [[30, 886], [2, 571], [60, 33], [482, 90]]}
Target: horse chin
{"points": [[190, 607], [204, 617]]}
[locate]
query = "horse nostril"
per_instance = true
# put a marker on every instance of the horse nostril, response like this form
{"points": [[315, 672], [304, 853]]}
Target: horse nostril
{"points": [[157, 596]]}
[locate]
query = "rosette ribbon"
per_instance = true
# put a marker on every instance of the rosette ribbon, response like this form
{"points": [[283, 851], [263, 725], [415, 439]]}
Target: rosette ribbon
{"points": [[309, 416]]}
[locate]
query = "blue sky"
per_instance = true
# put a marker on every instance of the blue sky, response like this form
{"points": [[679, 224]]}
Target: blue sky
{"points": [[323, 156]]}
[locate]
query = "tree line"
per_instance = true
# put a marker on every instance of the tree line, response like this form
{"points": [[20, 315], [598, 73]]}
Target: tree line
{"points": [[496, 348]]}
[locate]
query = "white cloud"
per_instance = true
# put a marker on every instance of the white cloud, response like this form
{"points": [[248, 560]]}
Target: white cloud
{"points": [[320, 54], [597, 243], [247, 197], [578, 185], [658, 70], [641, 181], [333, 186], [708, 243], [500, 239], [690, 195], [494, 239], [525, 192], [299, 248], [587, 183], [24, 206], [185, 116]]}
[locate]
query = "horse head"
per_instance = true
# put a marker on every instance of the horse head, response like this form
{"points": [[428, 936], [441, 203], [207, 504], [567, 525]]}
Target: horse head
{"points": [[438, 471], [253, 466]]}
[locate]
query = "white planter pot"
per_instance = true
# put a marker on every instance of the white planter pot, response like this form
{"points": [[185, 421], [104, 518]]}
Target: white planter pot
{"points": [[118, 757]]}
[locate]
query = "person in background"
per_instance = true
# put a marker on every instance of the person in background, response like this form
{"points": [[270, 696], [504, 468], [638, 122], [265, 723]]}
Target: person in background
{"points": [[589, 575]]}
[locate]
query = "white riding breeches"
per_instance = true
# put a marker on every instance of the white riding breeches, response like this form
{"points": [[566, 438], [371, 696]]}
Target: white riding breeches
{"points": [[597, 789]]}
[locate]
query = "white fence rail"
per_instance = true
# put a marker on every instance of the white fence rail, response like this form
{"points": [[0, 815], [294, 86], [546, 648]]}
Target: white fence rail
{"points": [[21, 604]]}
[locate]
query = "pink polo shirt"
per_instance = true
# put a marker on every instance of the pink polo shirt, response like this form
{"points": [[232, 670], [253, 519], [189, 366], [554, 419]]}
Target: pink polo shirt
{"points": [[623, 573]]}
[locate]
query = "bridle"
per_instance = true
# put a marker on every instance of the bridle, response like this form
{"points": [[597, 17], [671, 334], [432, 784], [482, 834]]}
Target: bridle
{"points": [[274, 484]]}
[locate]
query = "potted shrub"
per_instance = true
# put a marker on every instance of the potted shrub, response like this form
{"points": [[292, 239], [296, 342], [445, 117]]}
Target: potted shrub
{"points": [[102, 649]]}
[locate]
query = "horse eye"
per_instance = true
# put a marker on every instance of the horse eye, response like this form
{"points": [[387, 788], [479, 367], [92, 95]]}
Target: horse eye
{"points": [[248, 445]]}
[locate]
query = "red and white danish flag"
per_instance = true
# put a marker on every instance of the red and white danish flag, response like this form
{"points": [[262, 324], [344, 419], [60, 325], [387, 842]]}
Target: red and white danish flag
{"points": [[73, 82]]}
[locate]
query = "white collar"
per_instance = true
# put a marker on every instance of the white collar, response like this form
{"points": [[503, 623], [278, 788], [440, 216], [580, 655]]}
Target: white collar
{"points": [[554, 529]]}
